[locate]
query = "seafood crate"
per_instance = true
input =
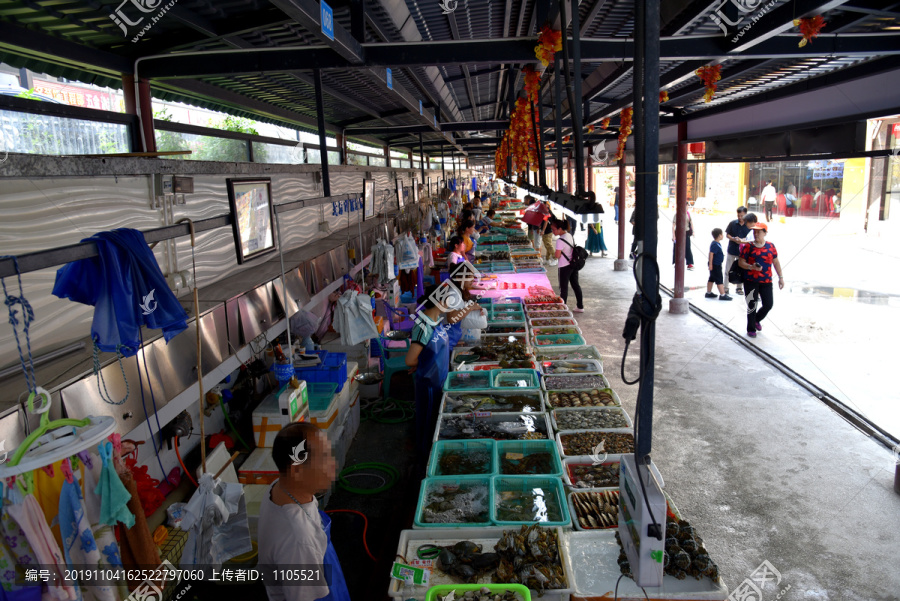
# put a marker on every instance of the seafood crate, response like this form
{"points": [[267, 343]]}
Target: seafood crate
{"points": [[449, 495], [593, 505], [535, 305], [592, 443], [471, 450], [563, 313], [519, 379], [578, 366], [506, 316], [559, 340], [467, 380], [505, 328], [569, 382], [554, 330], [498, 426], [505, 307], [530, 269], [506, 451], [563, 399], [488, 366], [440, 593], [570, 353], [542, 499], [605, 474], [526, 401], [540, 322], [615, 417]]}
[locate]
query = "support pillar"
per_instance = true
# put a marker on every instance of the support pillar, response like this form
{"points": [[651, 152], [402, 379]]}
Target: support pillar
{"points": [[320, 121], [144, 110], [558, 122], [621, 263], [421, 160], [570, 187], [387, 155], [679, 304]]}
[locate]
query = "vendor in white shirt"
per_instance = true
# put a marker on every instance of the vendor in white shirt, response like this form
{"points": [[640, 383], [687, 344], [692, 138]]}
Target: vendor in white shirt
{"points": [[293, 532]]}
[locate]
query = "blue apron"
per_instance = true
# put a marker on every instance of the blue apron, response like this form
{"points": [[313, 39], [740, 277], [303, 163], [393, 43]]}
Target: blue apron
{"points": [[338, 587], [434, 364], [453, 335]]}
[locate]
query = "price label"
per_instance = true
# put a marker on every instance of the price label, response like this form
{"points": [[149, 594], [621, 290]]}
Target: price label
{"points": [[389, 78]]}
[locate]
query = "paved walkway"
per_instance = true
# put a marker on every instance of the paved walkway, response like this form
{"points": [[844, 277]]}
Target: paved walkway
{"points": [[762, 469], [837, 322]]}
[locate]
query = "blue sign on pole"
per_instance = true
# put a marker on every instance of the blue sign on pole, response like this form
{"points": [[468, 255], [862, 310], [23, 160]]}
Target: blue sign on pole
{"points": [[327, 16], [390, 79], [435, 120], [420, 107]]}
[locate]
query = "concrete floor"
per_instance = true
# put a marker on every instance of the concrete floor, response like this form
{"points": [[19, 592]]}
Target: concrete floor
{"points": [[763, 470]]}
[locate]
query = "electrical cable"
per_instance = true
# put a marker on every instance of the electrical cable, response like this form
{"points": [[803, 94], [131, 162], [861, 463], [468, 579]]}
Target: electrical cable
{"points": [[616, 597], [365, 527], [186, 472], [233, 429], [390, 470]]}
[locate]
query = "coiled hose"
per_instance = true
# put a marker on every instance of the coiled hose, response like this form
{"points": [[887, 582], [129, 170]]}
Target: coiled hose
{"points": [[387, 411], [392, 473]]}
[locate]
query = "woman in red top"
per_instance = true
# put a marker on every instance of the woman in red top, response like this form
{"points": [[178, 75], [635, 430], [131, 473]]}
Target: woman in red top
{"points": [[758, 259]]}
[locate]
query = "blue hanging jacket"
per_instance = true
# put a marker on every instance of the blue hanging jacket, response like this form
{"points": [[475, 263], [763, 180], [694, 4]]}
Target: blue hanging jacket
{"points": [[474, 183], [126, 288], [453, 184]]}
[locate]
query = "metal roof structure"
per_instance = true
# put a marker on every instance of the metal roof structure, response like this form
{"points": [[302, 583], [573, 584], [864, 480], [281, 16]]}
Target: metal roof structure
{"points": [[462, 59]]}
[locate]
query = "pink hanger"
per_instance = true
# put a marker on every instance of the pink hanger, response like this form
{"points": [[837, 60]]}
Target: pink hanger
{"points": [[48, 469]]}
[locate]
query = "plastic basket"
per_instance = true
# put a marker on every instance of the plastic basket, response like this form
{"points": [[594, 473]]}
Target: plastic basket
{"points": [[515, 379], [452, 403], [555, 330], [604, 455], [550, 489], [441, 447], [575, 523], [569, 353], [616, 410], [561, 382], [559, 340], [525, 448], [320, 395], [511, 328], [333, 369], [506, 307], [571, 462], [612, 393], [440, 592], [465, 381], [506, 316], [583, 366], [441, 482], [542, 322]]}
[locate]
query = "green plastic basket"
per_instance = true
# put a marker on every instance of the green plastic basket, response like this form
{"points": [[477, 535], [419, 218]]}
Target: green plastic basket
{"points": [[506, 316], [558, 340], [528, 447], [517, 379], [320, 395], [550, 489], [480, 445], [506, 307], [430, 484], [521, 591], [464, 381]]}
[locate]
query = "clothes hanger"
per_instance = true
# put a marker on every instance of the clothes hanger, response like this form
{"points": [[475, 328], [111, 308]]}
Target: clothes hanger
{"points": [[57, 439]]}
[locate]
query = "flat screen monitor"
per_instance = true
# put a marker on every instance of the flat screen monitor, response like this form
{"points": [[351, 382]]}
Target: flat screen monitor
{"points": [[252, 217], [400, 192], [368, 198]]}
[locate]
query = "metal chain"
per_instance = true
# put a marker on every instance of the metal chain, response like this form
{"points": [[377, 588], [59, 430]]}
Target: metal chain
{"points": [[101, 383], [28, 317]]}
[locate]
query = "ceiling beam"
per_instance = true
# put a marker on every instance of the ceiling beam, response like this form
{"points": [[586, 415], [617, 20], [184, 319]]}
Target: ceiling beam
{"points": [[589, 18], [738, 70], [308, 14], [454, 30], [34, 44], [778, 20], [488, 71]]}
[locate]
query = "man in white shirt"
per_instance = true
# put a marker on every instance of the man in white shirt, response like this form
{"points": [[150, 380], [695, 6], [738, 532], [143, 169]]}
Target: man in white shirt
{"points": [[293, 534], [768, 197]]}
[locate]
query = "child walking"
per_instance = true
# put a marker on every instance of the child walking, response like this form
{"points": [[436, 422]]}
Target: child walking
{"points": [[716, 258]]}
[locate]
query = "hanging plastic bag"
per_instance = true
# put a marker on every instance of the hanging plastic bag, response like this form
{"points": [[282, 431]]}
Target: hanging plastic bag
{"points": [[470, 336], [216, 519], [475, 320], [407, 253], [353, 318]]}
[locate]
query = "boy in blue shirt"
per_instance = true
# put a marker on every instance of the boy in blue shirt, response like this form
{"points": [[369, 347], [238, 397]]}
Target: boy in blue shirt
{"points": [[716, 258]]}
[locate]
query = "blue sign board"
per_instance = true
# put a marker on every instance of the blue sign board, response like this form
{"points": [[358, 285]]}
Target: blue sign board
{"points": [[390, 79], [420, 107], [327, 16]]}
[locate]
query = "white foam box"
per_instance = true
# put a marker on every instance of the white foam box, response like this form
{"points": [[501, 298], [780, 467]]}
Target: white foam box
{"points": [[278, 410], [353, 415], [259, 468], [350, 385]]}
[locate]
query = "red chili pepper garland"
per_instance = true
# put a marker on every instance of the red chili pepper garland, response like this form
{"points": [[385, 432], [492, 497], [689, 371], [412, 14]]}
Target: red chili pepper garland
{"points": [[624, 131], [604, 124], [549, 43], [663, 96], [809, 28], [709, 75]]}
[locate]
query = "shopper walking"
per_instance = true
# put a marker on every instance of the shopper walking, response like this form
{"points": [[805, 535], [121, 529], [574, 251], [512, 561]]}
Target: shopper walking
{"points": [[616, 204], [736, 232], [547, 236], [768, 198], [535, 216], [565, 250], [634, 240], [758, 259], [688, 232], [595, 243], [715, 260]]}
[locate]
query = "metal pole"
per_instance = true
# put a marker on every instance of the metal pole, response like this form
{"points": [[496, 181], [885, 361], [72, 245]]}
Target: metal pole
{"points": [[578, 136], [323, 144], [558, 123], [443, 171], [647, 43], [623, 186], [680, 210], [421, 157]]}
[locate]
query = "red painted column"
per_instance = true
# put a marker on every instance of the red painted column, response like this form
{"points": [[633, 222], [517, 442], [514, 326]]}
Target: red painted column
{"points": [[570, 184], [680, 211], [589, 174], [623, 216]]}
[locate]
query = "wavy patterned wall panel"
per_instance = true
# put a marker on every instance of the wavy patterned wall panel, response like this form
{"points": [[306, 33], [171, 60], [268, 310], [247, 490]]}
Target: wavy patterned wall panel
{"points": [[51, 212]]}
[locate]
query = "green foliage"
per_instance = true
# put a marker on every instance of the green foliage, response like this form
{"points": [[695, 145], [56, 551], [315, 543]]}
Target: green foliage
{"points": [[169, 140], [29, 94]]}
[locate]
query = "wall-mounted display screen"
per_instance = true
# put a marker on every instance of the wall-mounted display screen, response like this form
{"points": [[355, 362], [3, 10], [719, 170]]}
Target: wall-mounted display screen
{"points": [[252, 217], [400, 192], [368, 198]]}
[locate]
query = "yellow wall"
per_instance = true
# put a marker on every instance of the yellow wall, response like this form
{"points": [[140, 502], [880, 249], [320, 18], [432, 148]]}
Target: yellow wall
{"points": [[854, 193]]}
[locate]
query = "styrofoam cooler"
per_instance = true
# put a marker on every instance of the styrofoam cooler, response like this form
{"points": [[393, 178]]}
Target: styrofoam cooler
{"points": [[269, 418], [259, 468]]}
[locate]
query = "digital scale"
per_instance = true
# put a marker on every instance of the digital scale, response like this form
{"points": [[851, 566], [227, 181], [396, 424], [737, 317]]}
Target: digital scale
{"points": [[639, 534]]}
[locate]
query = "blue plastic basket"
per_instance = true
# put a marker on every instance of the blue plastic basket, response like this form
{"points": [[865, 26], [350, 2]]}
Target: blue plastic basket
{"points": [[463, 446], [430, 484], [529, 447], [333, 370], [551, 490]]}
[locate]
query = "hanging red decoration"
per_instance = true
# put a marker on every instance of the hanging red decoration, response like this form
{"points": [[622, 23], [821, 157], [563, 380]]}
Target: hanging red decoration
{"points": [[566, 139], [604, 124], [590, 129], [532, 83], [663, 96], [624, 131], [549, 43], [709, 75], [809, 28]]}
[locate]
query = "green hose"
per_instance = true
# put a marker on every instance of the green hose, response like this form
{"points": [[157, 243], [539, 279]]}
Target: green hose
{"points": [[391, 471], [233, 429], [388, 411]]}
